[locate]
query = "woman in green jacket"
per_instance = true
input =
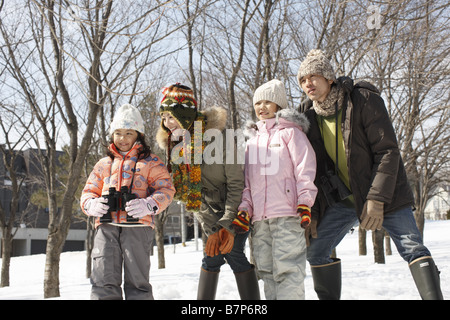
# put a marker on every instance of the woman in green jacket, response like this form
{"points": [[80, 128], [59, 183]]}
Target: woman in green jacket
{"points": [[210, 187]]}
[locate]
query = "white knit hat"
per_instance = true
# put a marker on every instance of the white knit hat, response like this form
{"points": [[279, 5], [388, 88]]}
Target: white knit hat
{"points": [[272, 91], [127, 117]]}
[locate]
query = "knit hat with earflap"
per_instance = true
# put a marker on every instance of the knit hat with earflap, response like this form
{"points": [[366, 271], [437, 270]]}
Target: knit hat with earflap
{"points": [[179, 101], [316, 63], [272, 91], [127, 117]]}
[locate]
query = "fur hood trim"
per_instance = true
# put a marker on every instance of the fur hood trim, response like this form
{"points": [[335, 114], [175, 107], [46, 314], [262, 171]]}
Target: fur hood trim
{"points": [[216, 118], [292, 116]]}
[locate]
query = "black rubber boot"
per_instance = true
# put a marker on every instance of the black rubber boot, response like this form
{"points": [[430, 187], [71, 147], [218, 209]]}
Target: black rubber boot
{"points": [[426, 276], [327, 280], [247, 284], [207, 285]]}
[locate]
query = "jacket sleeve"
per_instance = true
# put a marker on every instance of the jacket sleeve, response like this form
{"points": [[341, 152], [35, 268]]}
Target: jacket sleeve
{"points": [[234, 176], [383, 146], [246, 203], [304, 161], [94, 184], [160, 183]]}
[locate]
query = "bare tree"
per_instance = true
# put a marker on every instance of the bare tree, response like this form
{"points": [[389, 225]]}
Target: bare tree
{"points": [[411, 65], [10, 152], [75, 58], [226, 49]]}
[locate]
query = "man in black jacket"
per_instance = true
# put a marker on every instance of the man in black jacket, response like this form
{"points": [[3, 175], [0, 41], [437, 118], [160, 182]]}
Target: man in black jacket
{"points": [[360, 176]]}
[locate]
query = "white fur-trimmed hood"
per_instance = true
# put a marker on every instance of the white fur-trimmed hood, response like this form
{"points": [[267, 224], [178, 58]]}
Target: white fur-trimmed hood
{"points": [[291, 118]]}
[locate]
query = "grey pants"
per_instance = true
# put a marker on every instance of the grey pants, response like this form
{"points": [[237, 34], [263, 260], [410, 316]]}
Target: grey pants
{"points": [[116, 248], [279, 249]]}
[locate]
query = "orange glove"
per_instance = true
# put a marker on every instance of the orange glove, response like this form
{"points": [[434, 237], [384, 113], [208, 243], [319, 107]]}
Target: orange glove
{"points": [[212, 245], [226, 241]]}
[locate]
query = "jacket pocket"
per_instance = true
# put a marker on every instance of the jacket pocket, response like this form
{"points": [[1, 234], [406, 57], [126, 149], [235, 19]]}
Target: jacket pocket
{"points": [[217, 194], [291, 192]]}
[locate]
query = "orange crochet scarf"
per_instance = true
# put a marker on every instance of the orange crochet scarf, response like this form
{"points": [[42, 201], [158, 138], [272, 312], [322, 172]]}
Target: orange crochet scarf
{"points": [[187, 176]]}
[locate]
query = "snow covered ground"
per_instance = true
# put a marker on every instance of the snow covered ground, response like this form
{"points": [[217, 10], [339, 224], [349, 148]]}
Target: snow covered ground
{"points": [[362, 279]]}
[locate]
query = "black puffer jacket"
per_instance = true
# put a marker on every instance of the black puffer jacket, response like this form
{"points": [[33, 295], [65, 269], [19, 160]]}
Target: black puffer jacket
{"points": [[376, 170]]}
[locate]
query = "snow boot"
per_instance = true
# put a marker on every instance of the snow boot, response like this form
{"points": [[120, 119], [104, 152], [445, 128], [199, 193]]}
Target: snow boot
{"points": [[426, 276], [207, 285], [247, 284], [327, 280]]}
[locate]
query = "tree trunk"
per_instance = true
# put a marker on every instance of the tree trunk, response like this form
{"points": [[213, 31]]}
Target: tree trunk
{"points": [[420, 220], [378, 248], [52, 257], [6, 256], [387, 243], [236, 69], [89, 245], [159, 238], [362, 241]]}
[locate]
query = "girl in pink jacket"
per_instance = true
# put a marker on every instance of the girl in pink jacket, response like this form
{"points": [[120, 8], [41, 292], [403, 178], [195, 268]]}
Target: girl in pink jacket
{"points": [[280, 168], [124, 192]]}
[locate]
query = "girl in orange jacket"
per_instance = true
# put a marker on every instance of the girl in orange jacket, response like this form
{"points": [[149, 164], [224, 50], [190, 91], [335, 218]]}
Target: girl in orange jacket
{"points": [[124, 191]]}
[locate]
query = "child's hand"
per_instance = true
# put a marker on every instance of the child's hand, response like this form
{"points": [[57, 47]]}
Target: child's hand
{"points": [[305, 214], [96, 207], [242, 222], [139, 208]]}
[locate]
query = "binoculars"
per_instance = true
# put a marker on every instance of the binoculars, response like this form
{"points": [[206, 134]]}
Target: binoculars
{"points": [[116, 201]]}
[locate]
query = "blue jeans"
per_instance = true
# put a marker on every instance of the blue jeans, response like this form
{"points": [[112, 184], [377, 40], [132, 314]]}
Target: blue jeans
{"points": [[236, 257], [338, 220]]}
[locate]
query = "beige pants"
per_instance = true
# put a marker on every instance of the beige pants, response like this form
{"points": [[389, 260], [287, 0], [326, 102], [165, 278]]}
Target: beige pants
{"points": [[279, 249], [117, 248]]}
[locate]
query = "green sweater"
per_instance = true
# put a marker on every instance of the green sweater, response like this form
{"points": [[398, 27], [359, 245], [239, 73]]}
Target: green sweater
{"points": [[327, 127]]}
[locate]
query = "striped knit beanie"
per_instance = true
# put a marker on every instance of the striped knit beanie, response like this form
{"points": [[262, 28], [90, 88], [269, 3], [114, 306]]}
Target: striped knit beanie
{"points": [[179, 101]]}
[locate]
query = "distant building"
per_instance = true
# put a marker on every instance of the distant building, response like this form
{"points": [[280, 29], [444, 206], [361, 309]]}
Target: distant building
{"points": [[32, 222], [32, 232], [439, 205]]}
